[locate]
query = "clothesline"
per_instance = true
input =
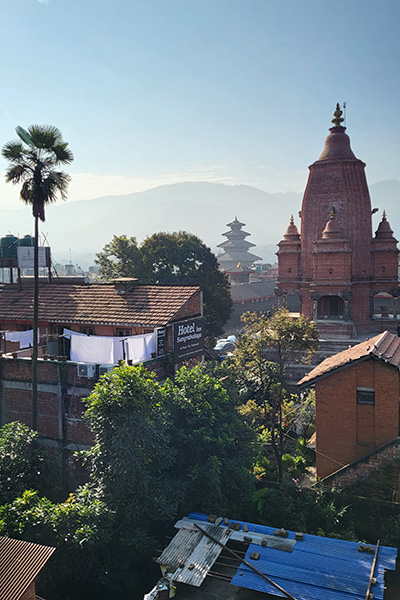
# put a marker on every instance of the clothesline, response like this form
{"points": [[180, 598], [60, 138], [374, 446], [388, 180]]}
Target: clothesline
{"points": [[108, 349]]}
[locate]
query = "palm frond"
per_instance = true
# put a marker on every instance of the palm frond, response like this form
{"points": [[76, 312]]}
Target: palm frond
{"points": [[56, 183], [33, 163], [17, 173], [13, 151], [24, 135], [26, 192], [63, 153], [44, 136]]}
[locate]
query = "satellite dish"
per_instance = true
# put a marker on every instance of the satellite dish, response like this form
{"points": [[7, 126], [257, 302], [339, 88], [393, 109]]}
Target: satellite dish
{"points": [[24, 135]]}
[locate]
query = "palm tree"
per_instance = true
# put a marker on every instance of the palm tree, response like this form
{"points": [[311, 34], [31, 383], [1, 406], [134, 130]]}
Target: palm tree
{"points": [[34, 159]]}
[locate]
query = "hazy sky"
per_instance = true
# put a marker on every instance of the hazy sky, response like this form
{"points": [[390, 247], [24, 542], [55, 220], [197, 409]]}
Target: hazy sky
{"points": [[149, 92]]}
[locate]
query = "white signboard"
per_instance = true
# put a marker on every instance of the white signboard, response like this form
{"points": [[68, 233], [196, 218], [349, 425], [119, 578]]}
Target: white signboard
{"points": [[25, 257]]}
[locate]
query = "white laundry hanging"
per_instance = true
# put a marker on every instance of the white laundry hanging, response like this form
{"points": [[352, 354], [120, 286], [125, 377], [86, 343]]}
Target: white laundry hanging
{"points": [[139, 348], [110, 350], [92, 349], [25, 338]]}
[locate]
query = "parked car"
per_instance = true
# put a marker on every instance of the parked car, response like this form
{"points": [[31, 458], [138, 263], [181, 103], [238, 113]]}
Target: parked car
{"points": [[224, 347]]}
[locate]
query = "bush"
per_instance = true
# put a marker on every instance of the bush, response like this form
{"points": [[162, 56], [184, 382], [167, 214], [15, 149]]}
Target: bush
{"points": [[25, 465]]}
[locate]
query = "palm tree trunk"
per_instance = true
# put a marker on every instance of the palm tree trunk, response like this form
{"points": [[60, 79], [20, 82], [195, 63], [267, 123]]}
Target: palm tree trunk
{"points": [[35, 324]]}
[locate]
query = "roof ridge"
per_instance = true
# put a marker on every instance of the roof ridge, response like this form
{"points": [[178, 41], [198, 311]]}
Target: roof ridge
{"points": [[380, 340]]}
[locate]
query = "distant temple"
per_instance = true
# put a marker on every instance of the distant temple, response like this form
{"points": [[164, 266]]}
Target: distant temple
{"points": [[347, 279], [236, 249]]}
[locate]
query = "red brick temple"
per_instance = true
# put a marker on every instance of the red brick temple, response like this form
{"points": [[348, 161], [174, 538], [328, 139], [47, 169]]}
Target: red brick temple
{"points": [[346, 278]]}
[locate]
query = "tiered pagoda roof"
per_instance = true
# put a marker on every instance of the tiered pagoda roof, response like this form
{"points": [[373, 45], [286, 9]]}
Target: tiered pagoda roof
{"points": [[236, 248]]}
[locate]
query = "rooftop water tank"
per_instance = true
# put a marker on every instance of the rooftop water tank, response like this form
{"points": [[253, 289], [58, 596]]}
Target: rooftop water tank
{"points": [[8, 246], [27, 240]]}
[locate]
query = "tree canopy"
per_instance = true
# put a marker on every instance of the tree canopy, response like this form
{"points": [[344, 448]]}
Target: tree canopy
{"points": [[24, 465], [172, 258], [288, 340], [34, 161]]}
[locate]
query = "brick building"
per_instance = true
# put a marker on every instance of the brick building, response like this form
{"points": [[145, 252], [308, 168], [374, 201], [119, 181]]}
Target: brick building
{"points": [[121, 308], [357, 403], [336, 265]]}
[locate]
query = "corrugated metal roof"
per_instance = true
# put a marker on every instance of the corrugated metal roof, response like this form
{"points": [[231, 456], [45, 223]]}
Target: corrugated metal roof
{"points": [[191, 554], [271, 541], [317, 568], [384, 347], [20, 563]]}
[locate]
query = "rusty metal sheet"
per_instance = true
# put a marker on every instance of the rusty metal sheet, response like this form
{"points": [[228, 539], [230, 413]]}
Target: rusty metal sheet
{"points": [[180, 548], [193, 554]]}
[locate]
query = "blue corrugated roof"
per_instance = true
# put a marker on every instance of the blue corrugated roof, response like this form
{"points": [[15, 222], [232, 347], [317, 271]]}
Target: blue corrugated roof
{"points": [[318, 567]]}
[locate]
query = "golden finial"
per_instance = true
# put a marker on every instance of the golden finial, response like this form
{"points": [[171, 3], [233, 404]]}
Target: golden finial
{"points": [[338, 116], [291, 220], [384, 215], [332, 213]]}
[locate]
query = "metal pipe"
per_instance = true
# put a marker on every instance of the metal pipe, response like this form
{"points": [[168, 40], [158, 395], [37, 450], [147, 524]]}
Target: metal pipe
{"points": [[278, 587], [372, 571]]}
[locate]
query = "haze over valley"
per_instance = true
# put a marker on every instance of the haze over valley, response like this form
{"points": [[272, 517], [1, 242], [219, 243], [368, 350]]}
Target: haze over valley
{"points": [[201, 208]]}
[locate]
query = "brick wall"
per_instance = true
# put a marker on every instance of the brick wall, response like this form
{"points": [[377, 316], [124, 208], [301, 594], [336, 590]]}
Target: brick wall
{"points": [[30, 593], [346, 431], [60, 409], [191, 308], [60, 393], [376, 474]]}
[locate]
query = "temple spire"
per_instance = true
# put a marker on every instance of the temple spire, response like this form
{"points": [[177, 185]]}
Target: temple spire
{"points": [[338, 119]]}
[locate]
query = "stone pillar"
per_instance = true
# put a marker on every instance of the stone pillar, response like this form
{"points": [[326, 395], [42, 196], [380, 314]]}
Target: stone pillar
{"points": [[315, 309], [371, 306], [395, 307], [346, 313]]}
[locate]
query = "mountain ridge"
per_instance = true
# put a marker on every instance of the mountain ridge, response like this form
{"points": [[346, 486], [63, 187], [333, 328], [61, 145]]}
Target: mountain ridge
{"points": [[202, 208]]}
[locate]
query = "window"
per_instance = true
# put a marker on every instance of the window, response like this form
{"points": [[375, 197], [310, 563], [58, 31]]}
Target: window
{"points": [[365, 396], [87, 330], [124, 332]]}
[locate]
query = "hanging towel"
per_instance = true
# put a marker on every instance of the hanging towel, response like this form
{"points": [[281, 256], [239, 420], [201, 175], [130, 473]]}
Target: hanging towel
{"points": [[139, 348], [92, 349], [67, 333], [25, 338]]}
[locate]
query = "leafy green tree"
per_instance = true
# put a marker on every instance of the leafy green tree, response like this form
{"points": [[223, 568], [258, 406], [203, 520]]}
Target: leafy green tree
{"points": [[172, 258], [24, 464], [291, 340], [214, 448], [159, 451], [34, 160], [81, 530], [120, 258], [293, 507], [132, 448]]}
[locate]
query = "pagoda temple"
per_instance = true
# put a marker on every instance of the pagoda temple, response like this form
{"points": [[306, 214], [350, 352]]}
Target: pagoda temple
{"points": [[335, 264], [236, 248]]}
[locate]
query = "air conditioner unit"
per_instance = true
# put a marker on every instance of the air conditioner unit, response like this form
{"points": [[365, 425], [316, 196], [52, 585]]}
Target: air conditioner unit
{"points": [[103, 369], [86, 370]]}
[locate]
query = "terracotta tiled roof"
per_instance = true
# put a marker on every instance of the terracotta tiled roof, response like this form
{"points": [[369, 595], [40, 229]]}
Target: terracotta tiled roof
{"points": [[385, 347], [20, 563], [143, 305]]}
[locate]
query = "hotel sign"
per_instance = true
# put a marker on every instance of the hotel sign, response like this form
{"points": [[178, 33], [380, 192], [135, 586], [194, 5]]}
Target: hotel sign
{"points": [[161, 341], [189, 338]]}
